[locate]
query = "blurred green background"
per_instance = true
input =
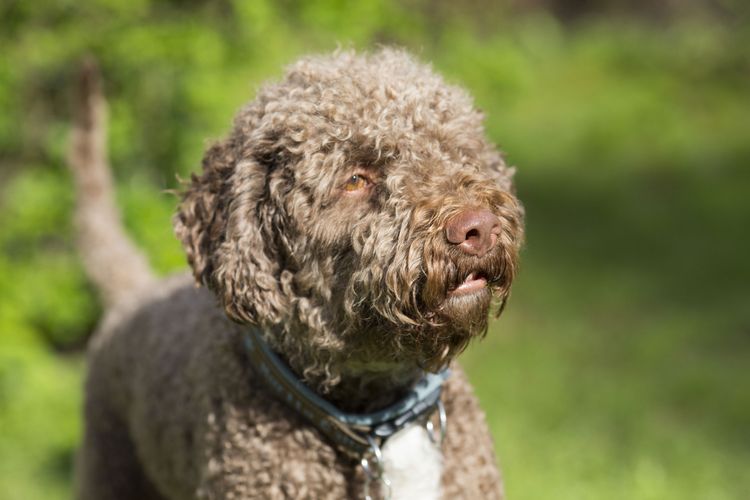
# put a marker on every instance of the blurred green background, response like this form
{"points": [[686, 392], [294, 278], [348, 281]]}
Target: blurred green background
{"points": [[621, 369]]}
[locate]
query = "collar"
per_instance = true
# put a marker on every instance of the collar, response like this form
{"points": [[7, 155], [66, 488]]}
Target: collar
{"points": [[353, 433]]}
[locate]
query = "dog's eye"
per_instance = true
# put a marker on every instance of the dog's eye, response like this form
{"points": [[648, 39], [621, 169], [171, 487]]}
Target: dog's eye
{"points": [[356, 182]]}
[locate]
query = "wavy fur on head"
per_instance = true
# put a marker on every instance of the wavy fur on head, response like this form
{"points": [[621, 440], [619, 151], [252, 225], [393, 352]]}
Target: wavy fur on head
{"points": [[352, 282]]}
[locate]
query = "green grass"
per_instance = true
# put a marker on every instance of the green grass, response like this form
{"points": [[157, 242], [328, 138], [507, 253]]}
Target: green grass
{"points": [[619, 367]]}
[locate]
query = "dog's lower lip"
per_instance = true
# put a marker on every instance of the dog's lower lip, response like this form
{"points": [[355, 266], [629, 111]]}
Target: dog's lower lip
{"points": [[472, 283]]}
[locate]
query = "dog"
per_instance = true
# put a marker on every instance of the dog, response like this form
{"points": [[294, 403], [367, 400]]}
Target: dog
{"points": [[347, 240]]}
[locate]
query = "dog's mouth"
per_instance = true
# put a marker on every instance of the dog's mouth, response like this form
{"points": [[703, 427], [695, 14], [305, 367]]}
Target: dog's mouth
{"points": [[468, 277], [475, 281], [470, 287]]}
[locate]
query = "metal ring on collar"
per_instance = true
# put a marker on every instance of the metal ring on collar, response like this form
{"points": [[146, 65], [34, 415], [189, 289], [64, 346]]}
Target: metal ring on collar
{"points": [[378, 474], [443, 422]]}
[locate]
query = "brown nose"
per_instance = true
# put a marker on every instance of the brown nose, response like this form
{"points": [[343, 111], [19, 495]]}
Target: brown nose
{"points": [[474, 231]]}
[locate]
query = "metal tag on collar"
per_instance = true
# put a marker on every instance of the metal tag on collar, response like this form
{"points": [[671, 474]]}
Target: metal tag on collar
{"points": [[374, 458]]}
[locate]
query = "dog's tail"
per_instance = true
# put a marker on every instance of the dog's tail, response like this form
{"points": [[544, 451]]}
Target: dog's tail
{"points": [[112, 262]]}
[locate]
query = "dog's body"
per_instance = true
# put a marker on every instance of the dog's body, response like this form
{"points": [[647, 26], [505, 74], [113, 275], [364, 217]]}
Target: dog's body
{"points": [[174, 407]]}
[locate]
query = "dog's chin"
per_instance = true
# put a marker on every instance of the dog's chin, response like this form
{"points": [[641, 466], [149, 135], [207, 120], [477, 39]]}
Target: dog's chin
{"points": [[438, 335], [466, 311], [461, 317], [466, 305]]}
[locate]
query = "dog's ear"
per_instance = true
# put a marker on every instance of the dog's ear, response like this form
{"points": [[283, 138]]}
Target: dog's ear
{"points": [[200, 220], [502, 173], [227, 247]]}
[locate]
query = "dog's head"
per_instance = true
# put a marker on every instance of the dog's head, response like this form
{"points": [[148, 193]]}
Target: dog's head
{"points": [[358, 205]]}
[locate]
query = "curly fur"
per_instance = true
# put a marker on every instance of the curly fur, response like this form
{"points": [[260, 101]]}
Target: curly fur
{"points": [[353, 290], [266, 228]]}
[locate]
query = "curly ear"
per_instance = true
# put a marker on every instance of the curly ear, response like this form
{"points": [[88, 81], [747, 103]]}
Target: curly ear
{"points": [[200, 220], [502, 173], [220, 227]]}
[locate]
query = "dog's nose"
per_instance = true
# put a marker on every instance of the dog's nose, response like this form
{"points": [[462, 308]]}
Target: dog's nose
{"points": [[474, 231]]}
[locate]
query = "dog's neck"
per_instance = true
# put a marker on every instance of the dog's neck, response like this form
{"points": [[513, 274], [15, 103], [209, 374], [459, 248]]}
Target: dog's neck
{"points": [[368, 387], [355, 384]]}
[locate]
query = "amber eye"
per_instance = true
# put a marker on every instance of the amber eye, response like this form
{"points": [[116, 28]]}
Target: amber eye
{"points": [[356, 182]]}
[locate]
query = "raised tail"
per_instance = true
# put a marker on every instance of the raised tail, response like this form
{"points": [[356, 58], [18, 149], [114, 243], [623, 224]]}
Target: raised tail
{"points": [[117, 268]]}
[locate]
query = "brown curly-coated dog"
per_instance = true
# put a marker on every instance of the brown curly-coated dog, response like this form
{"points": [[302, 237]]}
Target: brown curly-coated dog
{"points": [[359, 217]]}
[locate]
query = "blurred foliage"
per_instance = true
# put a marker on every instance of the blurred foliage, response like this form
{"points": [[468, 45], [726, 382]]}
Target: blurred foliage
{"points": [[618, 370]]}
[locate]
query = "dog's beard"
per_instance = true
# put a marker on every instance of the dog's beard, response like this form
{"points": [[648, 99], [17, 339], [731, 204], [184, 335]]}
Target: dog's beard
{"points": [[458, 320], [439, 326], [456, 292], [467, 314], [427, 305]]}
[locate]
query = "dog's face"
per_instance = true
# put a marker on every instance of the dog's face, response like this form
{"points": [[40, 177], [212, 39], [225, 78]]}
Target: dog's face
{"points": [[359, 204]]}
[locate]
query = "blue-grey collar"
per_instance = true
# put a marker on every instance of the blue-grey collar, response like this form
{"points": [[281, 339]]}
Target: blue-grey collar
{"points": [[353, 433]]}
